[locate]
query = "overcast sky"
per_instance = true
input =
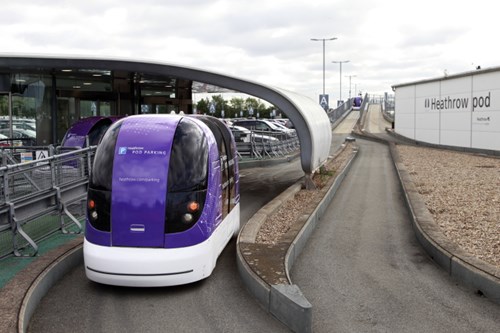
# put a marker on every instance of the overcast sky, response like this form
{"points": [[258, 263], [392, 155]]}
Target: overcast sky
{"points": [[386, 41]]}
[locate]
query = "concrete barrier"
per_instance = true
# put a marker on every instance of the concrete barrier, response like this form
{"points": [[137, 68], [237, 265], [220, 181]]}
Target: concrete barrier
{"points": [[284, 301], [41, 285], [472, 272]]}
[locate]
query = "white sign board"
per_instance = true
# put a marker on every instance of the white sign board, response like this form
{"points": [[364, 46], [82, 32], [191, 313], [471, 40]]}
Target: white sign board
{"points": [[463, 111], [41, 154]]}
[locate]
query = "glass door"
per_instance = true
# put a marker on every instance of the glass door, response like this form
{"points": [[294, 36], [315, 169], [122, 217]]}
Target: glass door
{"points": [[90, 108], [66, 115]]}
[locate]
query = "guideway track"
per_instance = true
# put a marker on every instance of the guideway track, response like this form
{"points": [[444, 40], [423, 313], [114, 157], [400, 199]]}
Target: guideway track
{"points": [[370, 271]]}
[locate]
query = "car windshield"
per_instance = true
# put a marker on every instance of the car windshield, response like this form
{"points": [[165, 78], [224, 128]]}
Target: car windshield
{"points": [[281, 126], [274, 126]]}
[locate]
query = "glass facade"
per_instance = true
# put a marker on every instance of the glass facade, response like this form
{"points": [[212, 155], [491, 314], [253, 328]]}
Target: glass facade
{"points": [[25, 107], [38, 105]]}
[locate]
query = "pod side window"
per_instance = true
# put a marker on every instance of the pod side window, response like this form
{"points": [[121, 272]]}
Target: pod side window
{"points": [[98, 131], [224, 140]]}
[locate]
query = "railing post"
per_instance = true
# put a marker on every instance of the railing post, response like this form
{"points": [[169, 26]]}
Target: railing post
{"points": [[5, 183]]}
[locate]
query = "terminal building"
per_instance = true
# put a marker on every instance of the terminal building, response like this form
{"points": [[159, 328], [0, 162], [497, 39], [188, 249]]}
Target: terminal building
{"points": [[42, 97], [461, 110]]}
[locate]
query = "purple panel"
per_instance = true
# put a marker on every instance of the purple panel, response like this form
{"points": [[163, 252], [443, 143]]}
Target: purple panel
{"points": [[75, 136], [139, 183]]}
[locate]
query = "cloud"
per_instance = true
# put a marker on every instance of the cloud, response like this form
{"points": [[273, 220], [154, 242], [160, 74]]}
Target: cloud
{"points": [[386, 41]]}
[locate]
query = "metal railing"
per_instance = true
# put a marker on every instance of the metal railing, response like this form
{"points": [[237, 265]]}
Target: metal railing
{"points": [[335, 114], [32, 192], [265, 144], [388, 107]]}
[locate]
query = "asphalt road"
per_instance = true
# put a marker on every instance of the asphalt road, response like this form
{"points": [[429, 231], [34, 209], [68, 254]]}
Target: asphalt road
{"points": [[219, 303], [364, 271]]}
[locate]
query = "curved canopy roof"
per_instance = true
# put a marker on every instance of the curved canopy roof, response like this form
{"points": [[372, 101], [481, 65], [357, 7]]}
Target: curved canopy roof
{"points": [[310, 120]]}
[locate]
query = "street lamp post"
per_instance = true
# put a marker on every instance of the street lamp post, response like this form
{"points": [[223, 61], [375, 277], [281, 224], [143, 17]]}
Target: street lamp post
{"points": [[323, 40], [340, 62], [350, 76]]}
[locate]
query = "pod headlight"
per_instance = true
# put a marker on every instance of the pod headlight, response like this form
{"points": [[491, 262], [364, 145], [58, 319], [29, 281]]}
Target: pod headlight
{"points": [[187, 218]]}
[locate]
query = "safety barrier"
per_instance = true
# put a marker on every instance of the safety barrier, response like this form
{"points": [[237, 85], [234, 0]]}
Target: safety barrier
{"points": [[388, 108], [284, 301], [335, 114], [41, 196], [387, 105], [264, 144]]}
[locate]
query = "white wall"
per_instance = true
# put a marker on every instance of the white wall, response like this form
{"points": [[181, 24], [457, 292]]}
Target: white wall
{"points": [[462, 111]]}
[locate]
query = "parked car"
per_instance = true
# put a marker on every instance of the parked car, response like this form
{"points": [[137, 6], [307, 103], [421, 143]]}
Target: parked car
{"points": [[4, 141], [28, 124], [283, 121], [28, 137], [19, 133], [284, 128], [264, 126], [24, 125], [242, 134]]}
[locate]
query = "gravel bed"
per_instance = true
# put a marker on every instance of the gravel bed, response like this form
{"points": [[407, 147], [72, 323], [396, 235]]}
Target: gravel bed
{"points": [[278, 223], [462, 192]]}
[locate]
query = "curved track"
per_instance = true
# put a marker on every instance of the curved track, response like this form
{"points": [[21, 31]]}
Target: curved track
{"points": [[217, 304]]}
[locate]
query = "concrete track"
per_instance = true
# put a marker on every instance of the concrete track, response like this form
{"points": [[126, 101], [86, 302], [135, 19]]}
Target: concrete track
{"points": [[364, 271], [375, 122]]}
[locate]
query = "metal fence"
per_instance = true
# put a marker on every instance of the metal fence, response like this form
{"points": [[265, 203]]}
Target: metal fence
{"points": [[389, 103], [41, 196], [388, 107], [335, 114], [265, 144]]}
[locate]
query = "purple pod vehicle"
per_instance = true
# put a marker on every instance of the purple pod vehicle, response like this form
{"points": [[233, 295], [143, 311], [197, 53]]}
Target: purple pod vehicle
{"points": [[356, 102], [163, 200], [94, 127]]}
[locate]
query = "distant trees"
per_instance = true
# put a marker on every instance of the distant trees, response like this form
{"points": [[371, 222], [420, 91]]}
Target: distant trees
{"points": [[236, 107], [23, 107]]}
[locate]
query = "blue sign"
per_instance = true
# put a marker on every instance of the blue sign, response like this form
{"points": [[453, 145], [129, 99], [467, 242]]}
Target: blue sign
{"points": [[323, 101]]}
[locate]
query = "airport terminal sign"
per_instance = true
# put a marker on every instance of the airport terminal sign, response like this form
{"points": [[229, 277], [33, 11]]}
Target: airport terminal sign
{"points": [[463, 110], [458, 103]]}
